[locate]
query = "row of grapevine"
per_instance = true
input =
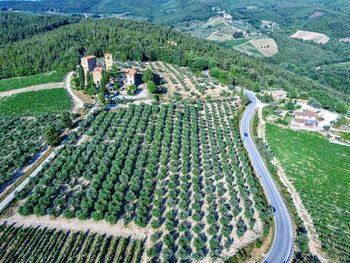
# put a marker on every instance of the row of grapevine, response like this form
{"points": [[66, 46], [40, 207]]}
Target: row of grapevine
{"points": [[29, 244]]}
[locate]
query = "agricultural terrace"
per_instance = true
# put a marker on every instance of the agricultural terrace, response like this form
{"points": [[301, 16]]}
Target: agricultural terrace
{"points": [[21, 82], [177, 170], [20, 244], [35, 102], [320, 171], [181, 82], [21, 138]]}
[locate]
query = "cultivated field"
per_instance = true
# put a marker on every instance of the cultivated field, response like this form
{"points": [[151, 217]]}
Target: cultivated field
{"points": [[181, 82], [35, 102], [320, 171], [249, 49], [178, 171], [318, 38], [21, 82], [218, 28], [267, 46], [20, 244], [21, 139]]}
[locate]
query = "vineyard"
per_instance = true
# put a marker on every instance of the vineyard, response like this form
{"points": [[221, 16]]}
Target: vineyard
{"points": [[320, 171], [21, 138], [21, 82], [178, 170], [35, 102], [19, 244]]}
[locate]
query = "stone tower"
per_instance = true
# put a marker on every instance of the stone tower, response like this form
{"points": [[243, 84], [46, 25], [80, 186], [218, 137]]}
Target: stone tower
{"points": [[108, 61]]}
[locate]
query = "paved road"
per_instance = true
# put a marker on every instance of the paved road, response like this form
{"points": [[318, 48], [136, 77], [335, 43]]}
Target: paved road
{"points": [[283, 241]]}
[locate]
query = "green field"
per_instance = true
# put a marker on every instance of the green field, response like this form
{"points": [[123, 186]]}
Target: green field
{"points": [[236, 42], [22, 82], [320, 171], [249, 49], [35, 102], [29, 244]]}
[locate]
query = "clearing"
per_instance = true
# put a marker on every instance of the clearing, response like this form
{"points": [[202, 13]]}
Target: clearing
{"points": [[267, 46], [318, 38]]}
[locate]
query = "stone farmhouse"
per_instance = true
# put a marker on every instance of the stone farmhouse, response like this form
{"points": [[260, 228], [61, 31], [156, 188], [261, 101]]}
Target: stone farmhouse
{"points": [[88, 64], [97, 75], [304, 119], [130, 77]]}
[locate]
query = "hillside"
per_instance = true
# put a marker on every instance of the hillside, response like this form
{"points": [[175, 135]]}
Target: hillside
{"points": [[141, 41]]}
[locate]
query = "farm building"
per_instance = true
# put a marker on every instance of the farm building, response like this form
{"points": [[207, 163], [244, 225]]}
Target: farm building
{"points": [[304, 119], [130, 76], [97, 75], [305, 114]]}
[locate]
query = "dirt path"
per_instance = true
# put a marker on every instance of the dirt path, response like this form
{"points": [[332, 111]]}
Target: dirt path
{"points": [[53, 85], [101, 227], [78, 103], [314, 241]]}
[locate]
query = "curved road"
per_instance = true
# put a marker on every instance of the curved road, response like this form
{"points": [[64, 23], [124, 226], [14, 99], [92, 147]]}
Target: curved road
{"points": [[283, 242]]}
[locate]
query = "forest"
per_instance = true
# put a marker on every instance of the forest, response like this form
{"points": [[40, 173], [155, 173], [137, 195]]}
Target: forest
{"points": [[17, 26], [142, 41]]}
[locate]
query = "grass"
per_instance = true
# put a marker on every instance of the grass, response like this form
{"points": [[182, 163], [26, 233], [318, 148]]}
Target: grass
{"points": [[35, 102], [22, 82], [320, 171], [236, 42], [249, 49]]}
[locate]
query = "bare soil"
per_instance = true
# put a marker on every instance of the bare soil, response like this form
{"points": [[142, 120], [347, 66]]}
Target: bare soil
{"points": [[318, 38], [267, 46]]}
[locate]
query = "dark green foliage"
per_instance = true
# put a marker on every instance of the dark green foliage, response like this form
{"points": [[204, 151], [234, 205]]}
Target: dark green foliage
{"points": [[148, 75], [16, 26], [42, 244], [51, 136], [133, 40], [66, 119]]}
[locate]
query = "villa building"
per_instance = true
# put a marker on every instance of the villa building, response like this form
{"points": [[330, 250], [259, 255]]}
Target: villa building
{"points": [[130, 77], [97, 75], [88, 63], [108, 61]]}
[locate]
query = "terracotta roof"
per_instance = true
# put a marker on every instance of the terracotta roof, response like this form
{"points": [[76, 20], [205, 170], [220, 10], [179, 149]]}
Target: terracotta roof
{"points": [[131, 72], [305, 113], [98, 69], [89, 57], [298, 120]]}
